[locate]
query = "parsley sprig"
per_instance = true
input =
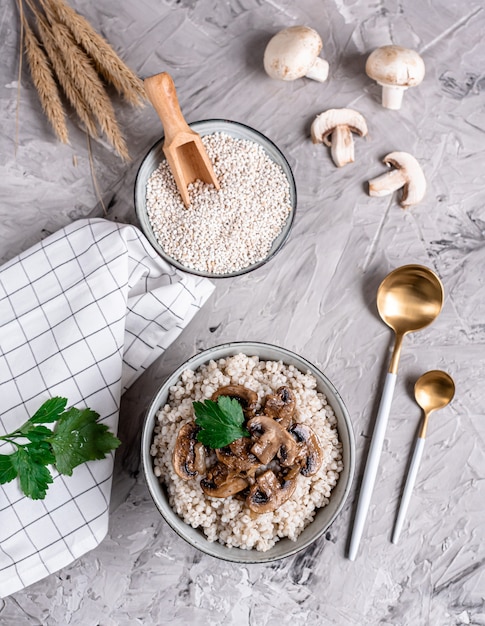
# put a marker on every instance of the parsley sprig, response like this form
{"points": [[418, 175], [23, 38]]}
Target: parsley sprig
{"points": [[76, 438], [220, 422]]}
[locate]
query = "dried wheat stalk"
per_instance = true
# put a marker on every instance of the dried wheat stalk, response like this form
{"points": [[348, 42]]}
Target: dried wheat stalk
{"points": [[77, 54], [63, 76], [90, 87], [107, 62], [44, 81]]}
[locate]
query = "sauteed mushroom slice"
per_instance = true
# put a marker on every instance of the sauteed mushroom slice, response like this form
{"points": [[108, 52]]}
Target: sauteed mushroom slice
{"points": [[247, 397], [269, 492], [220, 482], [310, 456], [238, 456], [188, 457], [271, 440], [281, 406]]}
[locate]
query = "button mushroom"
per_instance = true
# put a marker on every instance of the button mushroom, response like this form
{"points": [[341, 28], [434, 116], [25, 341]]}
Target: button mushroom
{"points": [[311, 456], [395, 69], [246, 397], [220, 482], [281, 406], [407, 175], [188, 457], [271, 440], [334, 128], [293, 53], [268, 492]]}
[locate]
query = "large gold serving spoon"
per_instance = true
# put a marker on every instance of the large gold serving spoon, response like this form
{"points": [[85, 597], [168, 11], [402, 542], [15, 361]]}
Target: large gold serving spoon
{"points": [[433, 390], [408, 299]]}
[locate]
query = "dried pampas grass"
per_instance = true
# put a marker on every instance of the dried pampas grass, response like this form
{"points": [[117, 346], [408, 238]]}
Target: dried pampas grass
{"points": [[66, 51]]}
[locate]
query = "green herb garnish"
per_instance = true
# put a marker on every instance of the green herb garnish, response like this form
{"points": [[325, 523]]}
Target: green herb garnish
{"points": [[77, 437], [220, 422]]}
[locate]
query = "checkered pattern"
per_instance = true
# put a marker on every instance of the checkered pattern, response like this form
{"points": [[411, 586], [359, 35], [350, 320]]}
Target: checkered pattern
{"points": [[82, 314]]}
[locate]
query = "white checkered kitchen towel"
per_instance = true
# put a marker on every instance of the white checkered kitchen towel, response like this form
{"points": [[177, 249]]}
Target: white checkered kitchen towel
{"points": [[82, 314]]}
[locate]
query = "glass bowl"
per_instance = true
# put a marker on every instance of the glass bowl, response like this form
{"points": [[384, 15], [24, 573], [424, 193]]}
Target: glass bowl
{"points": [[324, 516], [207, 127]]}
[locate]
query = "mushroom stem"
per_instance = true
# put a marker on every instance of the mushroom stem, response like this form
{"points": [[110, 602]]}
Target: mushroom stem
{"points": [[392, 96], [387, 183], [318, 71], [342, 146]]}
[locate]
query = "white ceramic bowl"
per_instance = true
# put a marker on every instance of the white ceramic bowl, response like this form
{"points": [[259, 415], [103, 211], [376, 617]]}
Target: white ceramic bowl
{"points": [[324, 516], [207, 127]]}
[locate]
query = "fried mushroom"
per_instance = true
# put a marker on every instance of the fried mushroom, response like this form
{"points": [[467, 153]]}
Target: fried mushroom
{"points": [[281, 405], [310, 455], [246, 397], [238, 456], [188, 457], [269, 492], [220, 482], [271, 440]]}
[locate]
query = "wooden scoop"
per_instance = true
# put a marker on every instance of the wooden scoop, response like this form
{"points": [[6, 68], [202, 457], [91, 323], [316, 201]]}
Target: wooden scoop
{"points": [[182, 147]]}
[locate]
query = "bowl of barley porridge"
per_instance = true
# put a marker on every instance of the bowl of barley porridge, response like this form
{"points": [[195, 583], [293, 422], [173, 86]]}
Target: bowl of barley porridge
{"points": [[246, 524], [225, 232]]}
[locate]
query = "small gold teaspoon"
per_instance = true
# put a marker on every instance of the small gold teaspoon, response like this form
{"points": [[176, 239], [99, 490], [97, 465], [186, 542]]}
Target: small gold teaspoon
{"points": [[433, 391]]}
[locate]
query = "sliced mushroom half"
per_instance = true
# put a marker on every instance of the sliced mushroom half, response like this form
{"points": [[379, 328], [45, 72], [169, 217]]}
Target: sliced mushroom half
{"points": [[406, 175], [246, 397], [271, 440], [334, 128], [311, 456], [281, 405], [188, 457], [269, 492], [220, 482]]}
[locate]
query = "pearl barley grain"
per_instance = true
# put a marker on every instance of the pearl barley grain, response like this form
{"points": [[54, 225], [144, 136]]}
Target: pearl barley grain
{"points": [[227, 230]]}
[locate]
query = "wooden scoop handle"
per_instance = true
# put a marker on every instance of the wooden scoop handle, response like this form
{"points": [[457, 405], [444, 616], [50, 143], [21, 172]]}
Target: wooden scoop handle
{"points": [[160, 90]]}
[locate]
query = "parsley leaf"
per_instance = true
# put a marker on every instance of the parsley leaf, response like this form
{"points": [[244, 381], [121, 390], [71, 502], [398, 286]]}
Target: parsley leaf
{"points": [[220, 422], [34, 476], [7, 469], [49, 411], [77, 437], [37, 433]]}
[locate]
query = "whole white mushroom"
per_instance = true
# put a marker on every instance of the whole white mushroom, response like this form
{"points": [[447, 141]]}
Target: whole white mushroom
{"points": [[394, 68], [293, 53]]}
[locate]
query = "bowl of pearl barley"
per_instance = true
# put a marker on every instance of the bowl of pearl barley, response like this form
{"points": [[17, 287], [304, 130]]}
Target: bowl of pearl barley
{"points": [[224, 232]]}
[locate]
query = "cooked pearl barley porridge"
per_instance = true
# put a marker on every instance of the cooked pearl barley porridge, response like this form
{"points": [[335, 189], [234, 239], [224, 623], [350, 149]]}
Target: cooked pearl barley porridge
{"points": [[230, 520], [225, 230]]}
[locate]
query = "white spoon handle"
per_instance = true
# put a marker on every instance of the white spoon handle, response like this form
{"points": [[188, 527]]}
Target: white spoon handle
{"points": [[408, 487], [372, 464]]}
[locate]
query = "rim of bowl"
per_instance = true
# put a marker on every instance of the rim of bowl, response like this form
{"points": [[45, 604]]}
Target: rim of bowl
{"points": [[259, 138], [284, 547]]}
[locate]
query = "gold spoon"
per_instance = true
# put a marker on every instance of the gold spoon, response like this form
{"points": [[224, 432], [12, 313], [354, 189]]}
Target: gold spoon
{"points": [[433, 390], [408, 299]]}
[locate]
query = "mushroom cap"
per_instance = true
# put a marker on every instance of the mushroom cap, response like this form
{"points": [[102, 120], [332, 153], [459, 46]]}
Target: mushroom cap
{"points": [[184, 458], [220, 482], [407, 176], [325, 123], [414, 191], [394, 65], [292, 52], [246, 397], [268, 492], [271, 439], [281, 405]]}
